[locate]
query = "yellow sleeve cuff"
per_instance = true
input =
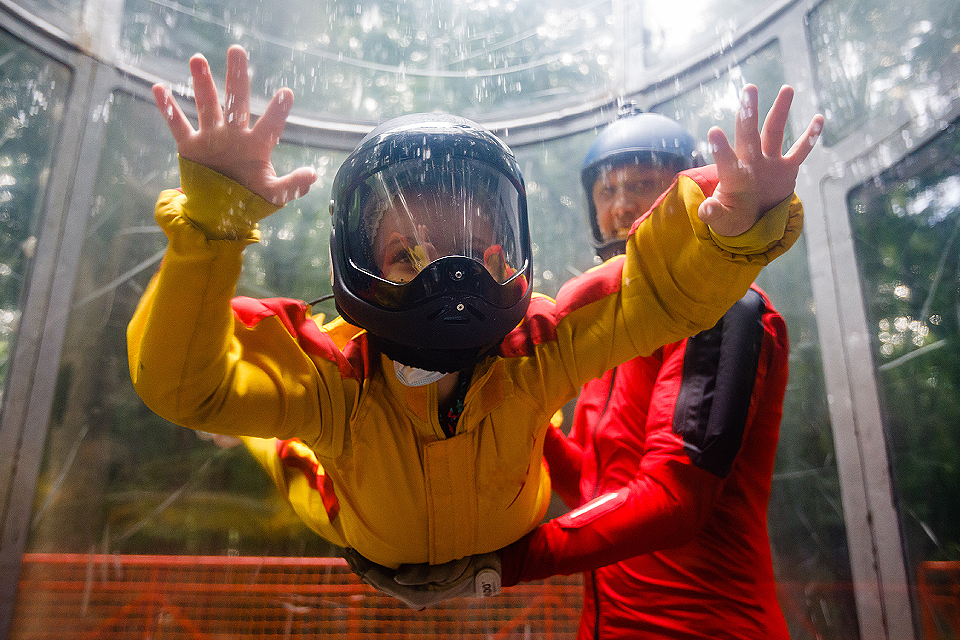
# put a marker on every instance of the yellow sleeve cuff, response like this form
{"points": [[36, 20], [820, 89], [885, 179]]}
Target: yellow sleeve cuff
{"points": [[221, 208], [766, 232]]}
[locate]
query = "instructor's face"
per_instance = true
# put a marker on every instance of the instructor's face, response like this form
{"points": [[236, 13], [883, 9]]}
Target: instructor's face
{"points": [[624, 193]]}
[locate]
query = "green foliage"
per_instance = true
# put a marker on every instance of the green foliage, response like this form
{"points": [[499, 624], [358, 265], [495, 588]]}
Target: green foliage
{"points": [[871, 57], [32, 93], [907, 234]]}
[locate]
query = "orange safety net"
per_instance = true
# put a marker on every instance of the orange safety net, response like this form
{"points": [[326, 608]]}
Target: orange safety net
{"points": [[127, 597], [938, 587]]}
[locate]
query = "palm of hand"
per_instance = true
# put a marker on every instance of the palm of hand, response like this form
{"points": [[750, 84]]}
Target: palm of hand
{"points": [[224, 141], [754, 174]]}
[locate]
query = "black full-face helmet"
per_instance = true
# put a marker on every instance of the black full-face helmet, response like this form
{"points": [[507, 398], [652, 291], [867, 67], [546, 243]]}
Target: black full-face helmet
{"points": [[634, 138], [430, 243]]}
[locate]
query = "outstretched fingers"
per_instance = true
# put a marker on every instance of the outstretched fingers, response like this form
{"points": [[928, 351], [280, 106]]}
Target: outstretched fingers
{"points": [[291, 186], [713, 210], [209, 112], [775, 124], [746, 134], [267, 131], [176, 120], [805, 143], [724, 156], [754, 175], [269, 126], [237, 90], [224, 141]]}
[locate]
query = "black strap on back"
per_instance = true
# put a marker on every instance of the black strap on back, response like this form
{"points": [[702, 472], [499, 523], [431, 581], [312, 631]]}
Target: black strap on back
{"points": [[719, 368]]}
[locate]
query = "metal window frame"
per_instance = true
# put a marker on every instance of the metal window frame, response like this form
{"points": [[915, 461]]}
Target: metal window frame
{"points": [[884, 605]]}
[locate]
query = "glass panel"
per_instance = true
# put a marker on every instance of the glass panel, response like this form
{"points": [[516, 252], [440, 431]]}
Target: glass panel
{"points": [[805, 517], [32, 94], [144, 485], [364, 61], [715, 103], [906, 226], [807, 531], [62, 14], [874, 58], [368, 61], [557, 210], [675, 31]]}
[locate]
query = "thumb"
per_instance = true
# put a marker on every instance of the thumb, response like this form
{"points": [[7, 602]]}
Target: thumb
{"points": [[711, 212], [292, 186], [729, 215]]}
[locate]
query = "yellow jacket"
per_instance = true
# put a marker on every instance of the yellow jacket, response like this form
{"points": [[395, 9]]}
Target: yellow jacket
{"points": [[370, 467]]}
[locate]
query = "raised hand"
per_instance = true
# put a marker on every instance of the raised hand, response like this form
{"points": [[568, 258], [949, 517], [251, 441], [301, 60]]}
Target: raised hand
{"points": [[225, 141], [754, 175]]}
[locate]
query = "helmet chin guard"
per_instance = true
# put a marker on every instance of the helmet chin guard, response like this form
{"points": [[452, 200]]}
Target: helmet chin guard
{"points": [[429, 241]]}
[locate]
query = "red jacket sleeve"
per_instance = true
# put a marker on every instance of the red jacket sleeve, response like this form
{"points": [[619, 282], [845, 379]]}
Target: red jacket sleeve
{"points": [[682, 447], [564, 458], [661, 506]]}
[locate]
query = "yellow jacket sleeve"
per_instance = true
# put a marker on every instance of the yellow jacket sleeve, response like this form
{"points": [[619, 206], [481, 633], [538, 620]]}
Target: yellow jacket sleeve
{"points": [[191, 359], [677, 279], [689, 275]]}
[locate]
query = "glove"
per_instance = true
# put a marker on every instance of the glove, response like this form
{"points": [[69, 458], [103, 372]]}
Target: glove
{"points": [[424, 585]]}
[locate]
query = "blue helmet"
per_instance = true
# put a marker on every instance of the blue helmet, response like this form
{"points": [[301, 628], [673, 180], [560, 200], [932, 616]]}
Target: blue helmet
{"points": [[430, 241], [635, 138]]}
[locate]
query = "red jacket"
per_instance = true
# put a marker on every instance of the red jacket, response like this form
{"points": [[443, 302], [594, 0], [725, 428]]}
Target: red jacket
{"points": [[670, 467]]}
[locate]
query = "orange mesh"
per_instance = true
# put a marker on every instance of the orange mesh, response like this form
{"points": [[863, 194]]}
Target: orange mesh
{"points": [[218, 597], [938, 587]]}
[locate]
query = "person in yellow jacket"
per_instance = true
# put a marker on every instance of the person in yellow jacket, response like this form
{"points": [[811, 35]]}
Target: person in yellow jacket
{"points": [[411, 429]]}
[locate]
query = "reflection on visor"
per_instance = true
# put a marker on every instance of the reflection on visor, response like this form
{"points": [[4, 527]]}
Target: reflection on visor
{"points": [[408, 216], [400, 262]]}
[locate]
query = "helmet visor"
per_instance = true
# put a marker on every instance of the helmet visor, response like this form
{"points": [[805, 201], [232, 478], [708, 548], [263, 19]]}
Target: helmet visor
{"points": [[408, 215]]}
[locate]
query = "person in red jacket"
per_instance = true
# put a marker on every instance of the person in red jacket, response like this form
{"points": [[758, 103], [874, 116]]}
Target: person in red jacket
{"points": [[670, 457], [669, 461]]}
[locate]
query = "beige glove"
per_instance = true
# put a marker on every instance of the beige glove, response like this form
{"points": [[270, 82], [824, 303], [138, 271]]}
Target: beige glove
{"points": [[424, 585]]}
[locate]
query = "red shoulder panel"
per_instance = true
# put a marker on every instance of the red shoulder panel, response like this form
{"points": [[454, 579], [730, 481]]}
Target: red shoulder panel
{"points": [[293, 315]]}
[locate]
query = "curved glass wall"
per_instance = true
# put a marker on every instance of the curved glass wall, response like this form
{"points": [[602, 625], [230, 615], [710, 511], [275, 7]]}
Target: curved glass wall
{"points": [[484, 59], [873, 61], [34, 90], [906, 225], [97, 488], [369, 61]]}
